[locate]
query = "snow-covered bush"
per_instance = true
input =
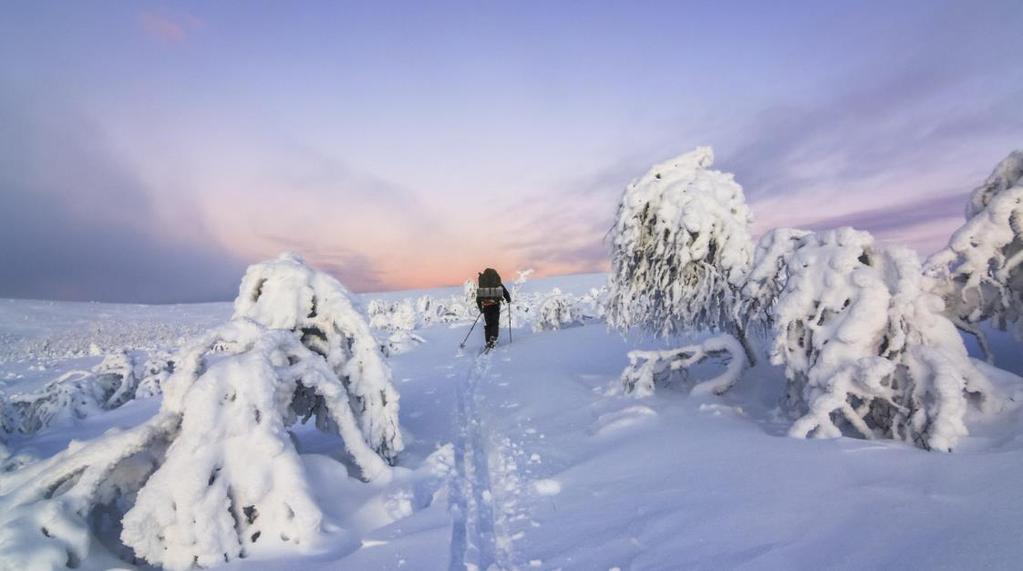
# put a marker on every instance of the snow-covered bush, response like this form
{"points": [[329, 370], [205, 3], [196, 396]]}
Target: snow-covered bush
{"points": [[152, 374], [214, 472], [680, 251], [864, 342], [594, 302], [396, 321], [391, 316], [74, 395], [979, 272], [287, 294], [557, 311], [400, 342]]}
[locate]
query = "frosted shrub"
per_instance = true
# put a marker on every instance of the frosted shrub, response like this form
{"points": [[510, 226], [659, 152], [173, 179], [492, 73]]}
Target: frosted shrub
{"points": [[557, 311], [594, 302], [400, 342], [391, 316], [73, 396], [152, 374], [286, 294], [396, 320], [864, 342], [680, 252], [979, 272], [214, 472]]}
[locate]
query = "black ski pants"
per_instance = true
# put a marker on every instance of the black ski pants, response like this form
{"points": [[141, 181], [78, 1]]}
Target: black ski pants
{"points": [[492, 319]]}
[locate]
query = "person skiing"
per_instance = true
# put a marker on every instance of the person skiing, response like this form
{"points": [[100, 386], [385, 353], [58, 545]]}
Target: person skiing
{"points": [[488, 300]]}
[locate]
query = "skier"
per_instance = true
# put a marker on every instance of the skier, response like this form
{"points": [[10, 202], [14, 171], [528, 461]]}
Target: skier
{"points": [[488, 299]]}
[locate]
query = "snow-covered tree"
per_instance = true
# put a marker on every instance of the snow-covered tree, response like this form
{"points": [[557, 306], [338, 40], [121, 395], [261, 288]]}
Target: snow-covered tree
{"points": [[980, 272], [557, 311], [680, 251], [214, 472], [287, 294], [864, 342]]}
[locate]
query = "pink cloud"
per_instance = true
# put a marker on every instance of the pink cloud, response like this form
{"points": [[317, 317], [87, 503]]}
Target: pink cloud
{"points": [[167, 28]]}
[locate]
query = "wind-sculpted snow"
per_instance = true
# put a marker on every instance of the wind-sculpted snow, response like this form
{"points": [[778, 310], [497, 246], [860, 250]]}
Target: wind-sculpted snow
{"points": [[287, 294], [979, 272], [865, 345]]}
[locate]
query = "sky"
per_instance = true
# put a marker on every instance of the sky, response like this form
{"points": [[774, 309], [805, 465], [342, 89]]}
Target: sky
{"points": [[150, 151]]}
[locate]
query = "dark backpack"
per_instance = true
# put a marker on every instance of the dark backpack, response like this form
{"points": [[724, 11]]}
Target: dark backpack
{"points": [[490, 285]]}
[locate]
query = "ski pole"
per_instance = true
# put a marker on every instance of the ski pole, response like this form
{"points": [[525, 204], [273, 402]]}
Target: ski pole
{"points": [[509, 323], [462, 344]]}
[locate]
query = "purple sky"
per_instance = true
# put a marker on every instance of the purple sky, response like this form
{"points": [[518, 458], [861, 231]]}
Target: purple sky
{"points": [[149, 151]]}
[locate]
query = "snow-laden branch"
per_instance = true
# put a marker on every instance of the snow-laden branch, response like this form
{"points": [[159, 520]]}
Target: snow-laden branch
{"points": [[647, 368]]}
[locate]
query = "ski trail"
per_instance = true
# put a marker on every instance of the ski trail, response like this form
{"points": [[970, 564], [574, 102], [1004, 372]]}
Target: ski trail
{"points": [[474, 542]]}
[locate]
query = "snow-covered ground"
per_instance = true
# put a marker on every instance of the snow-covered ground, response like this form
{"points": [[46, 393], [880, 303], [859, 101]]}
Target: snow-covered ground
{"points": [[529, 457]]}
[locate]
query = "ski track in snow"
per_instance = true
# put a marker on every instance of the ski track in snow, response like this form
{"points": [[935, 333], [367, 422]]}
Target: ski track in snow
{"points": [[476, 542]]}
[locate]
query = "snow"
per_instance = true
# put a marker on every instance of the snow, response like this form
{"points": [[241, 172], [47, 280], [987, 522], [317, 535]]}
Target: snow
{"points": [[530, 457]]}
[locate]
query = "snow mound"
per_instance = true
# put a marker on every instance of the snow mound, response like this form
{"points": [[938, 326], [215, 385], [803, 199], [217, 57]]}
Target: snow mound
{"points": [[623, 419], [547, 487], [287, 294]]}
